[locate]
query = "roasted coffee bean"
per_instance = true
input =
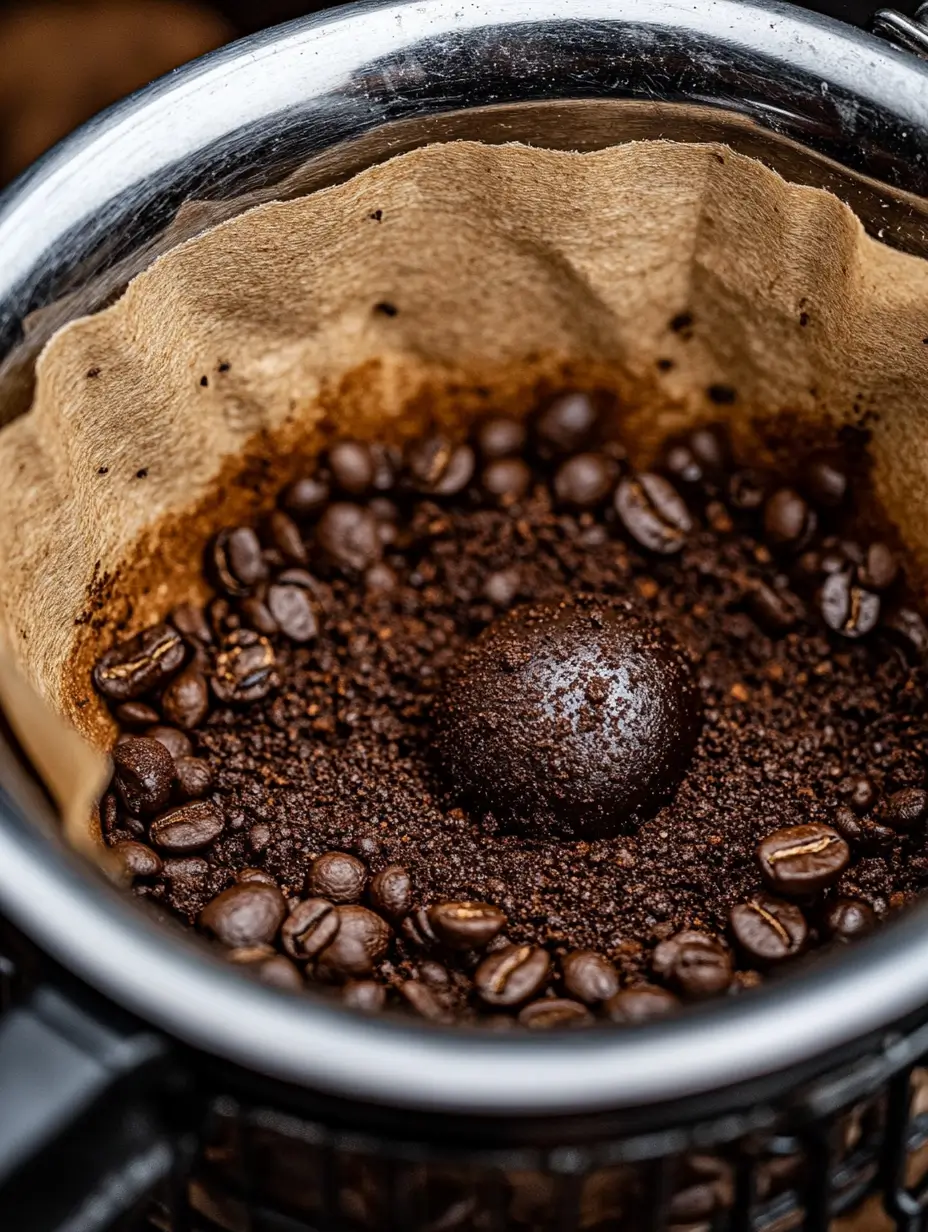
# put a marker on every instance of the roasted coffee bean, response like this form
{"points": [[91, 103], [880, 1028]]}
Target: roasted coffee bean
{"points": [[502, 588], [245, 914], [365, 995], [256, 615], [847, 607], [349, 537], [245, 668], [696, 964], [286, 538], [277, 972], [861, 795], [710, 447], [380, 579], [309, 928], [801, 860], [293, 611], [337, 876], [143, 774], [863, 832], [466, 925], [188, 870], [187, 828], [585, 481], [905, 627], [423, 1001], [513, 975], [747, 491], [847, 919], [653, 513], [768, 929], [566, 425], [352, 467], [644, 1003], [880, 568], [255, 874], [681, 464], [185, 702], [905, 809], [825, 480], [244, 954], [237, 561], [176, 742], [507, 480], [500, 437], [136, 714], [194, 778], [440, 468], [555, 1014], [141, 665], [137, 860], [777, 611], [391, 892], [190, 620], [417, 929], [788, 520], [434, 974], [307, 496], [589, 977], [360, 944], [109, 814]]}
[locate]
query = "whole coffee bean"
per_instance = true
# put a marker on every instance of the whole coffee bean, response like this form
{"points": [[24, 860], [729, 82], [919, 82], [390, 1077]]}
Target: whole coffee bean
{"points": [[391, 892], [711, 449], [800, 860], [680, 463], [847, 919], [423, 1001], [380, 579], [585, 481], [367, 996], [555, 1014], [788, 520], [589, 977], [846, 607], [309, 928], [137, 860], [880, 567], [695, 963], [136, 714], [277, 972], [244, 954], [499, 436], [187, 828], [466, 925], [189, 871], [194, 778], [361, 942], [642, 1004], [307, 496], [255, 874], [143, 774], [388, 462], [337, 876], [141, 665], [905, 627], [653, 513], [245, 914], [438, 467], [189, 619], [185, 702], [294, 613], [502, 588], [862, 795], [512, 976], [349, 537], [285, 536], [245, 668], [776, 611], [506, 479], [352, 467], [434, 974], [237, 560], [863, 832], [176, 742], [566, 425], [747, 491], [417, 929], [768, 930], [825, 480], [256, 614], [905, 809]]}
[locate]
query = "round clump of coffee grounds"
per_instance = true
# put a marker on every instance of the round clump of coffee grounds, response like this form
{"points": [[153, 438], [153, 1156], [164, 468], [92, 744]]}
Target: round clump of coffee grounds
{"points": [[573, 719]]}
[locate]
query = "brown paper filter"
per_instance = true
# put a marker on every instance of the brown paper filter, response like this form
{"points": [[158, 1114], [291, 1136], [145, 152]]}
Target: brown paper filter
{"points": [[449, 281]]}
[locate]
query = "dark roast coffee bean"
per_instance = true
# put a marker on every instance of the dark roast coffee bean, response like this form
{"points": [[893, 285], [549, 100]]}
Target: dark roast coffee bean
{"points": [[681, 464], [143, 774], [187, 828], [846, 607], [466, 925], [585, 480], [391, 892], [862, 795], [747, 491], [776, 611], [500, 437], [825, 480], [137, 860], [277, 972], [695, 963], [194, 778], [905, 809], [788, 520], [309, 928], [237, 560], [423, 1001], [185, 702], [506, 479], [555, 1014], [768, 929], [136, 714], [641, 1004], [285, 535], [502, 588], [865, 833], [440, 468], [190, 620], [364, 995], [800, 860], [360, 944], [880, 568], [352, 467], [255, 874], [589, 977], [513, 975], [190, 870], [434, 974], [653, 513], [176, 742], [847, 919], [380, 579], [141, 665], [245, 914], [710, 447], [349, 537], [256, 614], [905, 627], [245, 668], [306, 497], [337, 876], [565, 425], [417, 929], [294, 613]]}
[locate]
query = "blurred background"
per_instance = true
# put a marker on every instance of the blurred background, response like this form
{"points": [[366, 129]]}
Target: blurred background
{"points": [[61, 61]]}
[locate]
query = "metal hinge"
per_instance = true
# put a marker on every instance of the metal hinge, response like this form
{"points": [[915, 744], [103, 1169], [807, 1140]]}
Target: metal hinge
{"points": [[909, 33]]}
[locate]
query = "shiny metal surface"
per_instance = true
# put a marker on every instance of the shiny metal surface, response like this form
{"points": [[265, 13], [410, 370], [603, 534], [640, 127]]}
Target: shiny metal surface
{"points": [[306, 105], [909, 33]]}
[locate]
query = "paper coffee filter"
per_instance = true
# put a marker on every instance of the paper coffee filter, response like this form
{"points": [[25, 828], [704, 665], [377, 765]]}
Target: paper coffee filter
{"points": [[446, 283]]}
